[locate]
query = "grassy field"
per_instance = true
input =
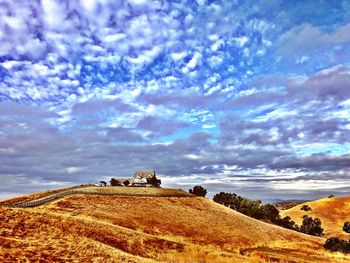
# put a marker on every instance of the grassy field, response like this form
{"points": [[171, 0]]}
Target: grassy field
{"points": [[333, 212], [111, 228], [30, 197], [137, 191]]}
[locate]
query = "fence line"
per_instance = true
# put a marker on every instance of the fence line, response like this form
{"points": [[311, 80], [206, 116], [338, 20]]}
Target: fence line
{"points": [[53, 197]]}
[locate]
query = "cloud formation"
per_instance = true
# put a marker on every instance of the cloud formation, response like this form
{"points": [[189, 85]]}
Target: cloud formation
{"points": [[246, 97]]}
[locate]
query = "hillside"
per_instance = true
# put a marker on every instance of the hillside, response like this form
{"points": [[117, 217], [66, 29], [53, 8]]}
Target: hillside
{"points": [[287, 205], [333, 212], [181, 228], [34, 196]]}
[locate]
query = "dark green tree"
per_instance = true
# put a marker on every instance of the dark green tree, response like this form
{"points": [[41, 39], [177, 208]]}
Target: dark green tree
{"points": [[287, 222], [270, 213], [198, 191], [346, 227], [335, 244], [251, 208], [306, 208], [230, 200], [311, 226]]}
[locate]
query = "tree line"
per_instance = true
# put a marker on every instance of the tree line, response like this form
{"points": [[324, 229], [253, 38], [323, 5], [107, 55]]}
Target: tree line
{"points": [[269, 213], [264, 212]]}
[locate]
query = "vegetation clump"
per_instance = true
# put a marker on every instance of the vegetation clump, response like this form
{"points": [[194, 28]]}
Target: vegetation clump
{"points": [[306, 208], [331, 196], [269, 213], [198, 191], [311, 226], [346, 227], [254, 208], [335, 244]]}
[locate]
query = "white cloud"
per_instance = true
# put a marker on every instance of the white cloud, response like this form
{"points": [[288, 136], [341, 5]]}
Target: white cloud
{"points": [[241, 41], [73, 169], [178, 56], [217, 45], [195, 60]]}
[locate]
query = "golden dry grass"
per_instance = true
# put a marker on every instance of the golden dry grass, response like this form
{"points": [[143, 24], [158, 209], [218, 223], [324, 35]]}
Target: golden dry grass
{"points": [[153, 191], [33, 196], [333, 212], [110, 228]]}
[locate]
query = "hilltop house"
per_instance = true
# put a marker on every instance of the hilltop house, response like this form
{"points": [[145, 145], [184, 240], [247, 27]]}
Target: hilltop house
{"points": [[140, 178], [146, 177]]}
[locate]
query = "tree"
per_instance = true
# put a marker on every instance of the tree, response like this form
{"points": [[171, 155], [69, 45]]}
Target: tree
{"points": [[335, 244], [230, 200], [198, 191], [251, 208], [306, 208], [287, 222], [254, 208], [331, 196], [270, 213], [311, 226], [346, 227]]}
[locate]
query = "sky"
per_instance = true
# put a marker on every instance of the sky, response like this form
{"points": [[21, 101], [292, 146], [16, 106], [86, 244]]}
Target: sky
{"points": [[250, 97]]}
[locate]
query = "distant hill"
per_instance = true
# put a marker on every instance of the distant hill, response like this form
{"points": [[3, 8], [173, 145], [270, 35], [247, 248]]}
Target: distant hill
{"points": [[136, 228], [333, 212], [282, 205]]}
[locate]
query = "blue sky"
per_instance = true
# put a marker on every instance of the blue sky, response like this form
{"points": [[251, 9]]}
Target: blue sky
{"points": [[251, 97]]}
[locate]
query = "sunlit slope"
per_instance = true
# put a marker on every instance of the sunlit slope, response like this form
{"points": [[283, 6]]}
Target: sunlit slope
{"points": [[333, 212], [37, 195], [136, 191], [100, 190], [110, 228]]}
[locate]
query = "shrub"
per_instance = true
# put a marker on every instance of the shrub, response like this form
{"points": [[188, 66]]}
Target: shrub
{"points": [[335, 244], [330, 196], [346, 227], [306, 208], [311, 226], [198, 191]]}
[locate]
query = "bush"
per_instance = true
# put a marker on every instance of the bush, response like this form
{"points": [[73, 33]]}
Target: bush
{"points": [[330, 196], [311, 226], [306, 208], [335, 244], [198, 191], [346, 227]]}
